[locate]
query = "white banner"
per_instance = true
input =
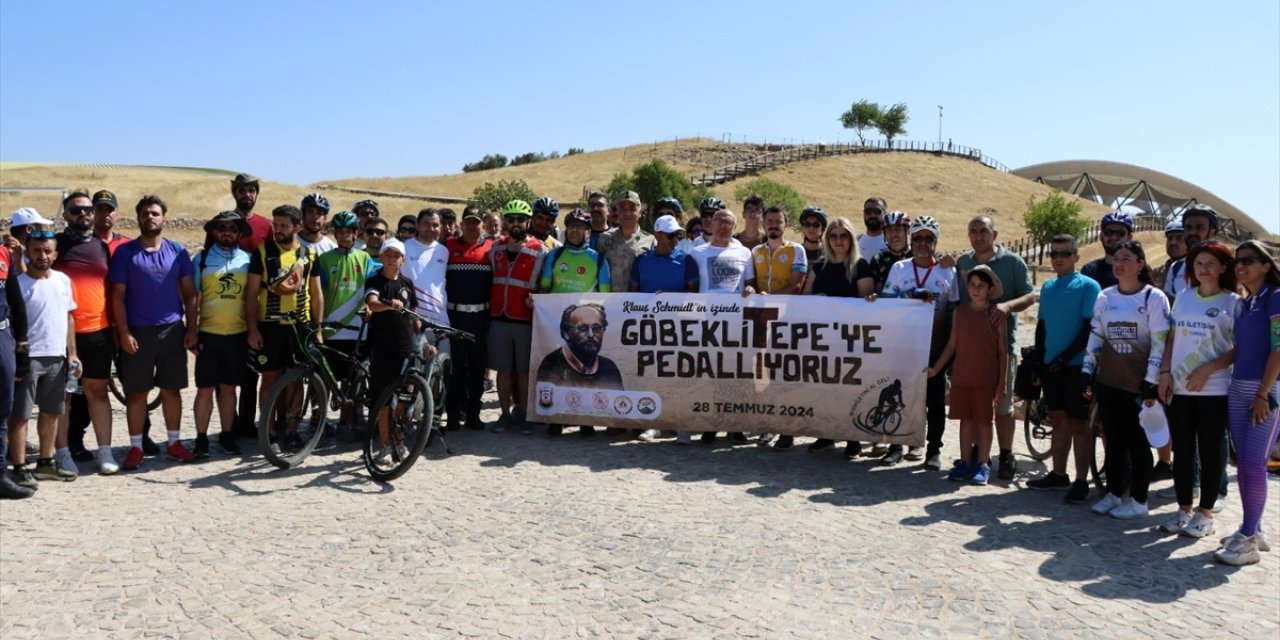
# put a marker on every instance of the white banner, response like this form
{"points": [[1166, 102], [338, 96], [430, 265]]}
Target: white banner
{"points": [[839, 368]]}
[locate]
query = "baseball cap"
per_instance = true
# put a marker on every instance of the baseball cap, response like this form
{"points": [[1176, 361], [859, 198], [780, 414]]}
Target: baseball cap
{"points": [[1155, 424], [25, 216], [391, 244], [628, 196], [472, 212], [105, 197], [667, 224]]}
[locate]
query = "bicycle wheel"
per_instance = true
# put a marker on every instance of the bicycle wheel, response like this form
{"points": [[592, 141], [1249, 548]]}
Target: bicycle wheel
{"points": [[438, 382], [153, 401], [1097, 464], [409, 422], [1036, 428], [292, 420], [355, 397], [892, 422]]}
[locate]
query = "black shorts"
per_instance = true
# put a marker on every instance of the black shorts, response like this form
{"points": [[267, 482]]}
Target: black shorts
{"points": [[221, 359], [280, 346], [161, 360], [1065, 392], [384, 370], [96, 350]]}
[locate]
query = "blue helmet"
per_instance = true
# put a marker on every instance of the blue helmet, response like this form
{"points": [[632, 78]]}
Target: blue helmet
{"points": [[315, 200], [546, 206], [1118, 217], [814, 211]]}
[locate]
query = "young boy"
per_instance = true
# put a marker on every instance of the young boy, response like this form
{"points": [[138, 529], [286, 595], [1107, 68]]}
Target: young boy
{"points": [[391, 334]]}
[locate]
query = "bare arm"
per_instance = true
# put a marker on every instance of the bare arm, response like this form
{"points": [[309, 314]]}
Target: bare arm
{"points": [[946, 354], [252, 285], [191, 300], [127, 341]]}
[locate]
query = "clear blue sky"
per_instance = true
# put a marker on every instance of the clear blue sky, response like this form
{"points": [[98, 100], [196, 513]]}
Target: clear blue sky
{"points": [[300, 92]]}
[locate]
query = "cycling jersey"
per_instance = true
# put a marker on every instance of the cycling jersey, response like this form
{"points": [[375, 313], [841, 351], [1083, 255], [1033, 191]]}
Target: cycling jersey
{"points": [[285, 295], [85, 260], [221, 278], [343, 274], [775, 267], [575, 270]]}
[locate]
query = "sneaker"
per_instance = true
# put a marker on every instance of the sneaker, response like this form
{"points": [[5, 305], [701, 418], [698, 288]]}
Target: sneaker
{"points": [[81, 454], [1240, 551], [23, 477], [49, 469], [982, 475], [149, 446], [178, 452], [1161, 471], [383, 457], [1219, 504], [1264, 545], [501, 424], [765, 439], [402, 452], [1129, 510], [1176, 522], [66, 461], [488, 385], [1008, 466], [132, 460], [1199, 527], [914, 454], [892, 457], [293, 440], [648, 435], [1050, 482], [586, 431], [1106, 504], [821, 444], [784, 443], [10, 490], [684, 437], [555, 429], [960, 472], [1078, 493], [201, 451], [526, 427], [877, 450], [852, 450], [933, 462], [707, 437], [227, 441], [737, 437]]}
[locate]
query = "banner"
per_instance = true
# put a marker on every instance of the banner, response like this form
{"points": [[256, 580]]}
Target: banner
{"points": [[839, 368]]}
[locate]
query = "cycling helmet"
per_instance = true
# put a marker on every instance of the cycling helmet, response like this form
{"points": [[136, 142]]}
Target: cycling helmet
{"points": [[1174, 226], [547, 206], [577, 215], [894, 218], [814, 211], [1118, 217], [711, 205], [517, 208], [315, 200], [1202, 210], [345, 220], [924, 223], [367, 203], [668, 202]]}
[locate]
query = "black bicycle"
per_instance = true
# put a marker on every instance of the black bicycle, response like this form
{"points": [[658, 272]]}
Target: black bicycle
{"points": [[410, 404], [1038, 431], [878, 420]]}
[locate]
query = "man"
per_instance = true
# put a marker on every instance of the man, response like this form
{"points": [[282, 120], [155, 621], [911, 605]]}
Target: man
{"points": [[21, 224], [1017, 295], [923, 278], [15, 365], [895, 225], [375, 233], [578, 362], [813, 221], [221, 277], [315, 208], [426, 262], [47, 297], [873, 241], [283, 292], [780, 264], [85, 259], [543, 224], [490, 224], [468, 281], [517, 264], [706, 211], [343, 272], [1175, 246], [575, 268], [365, 210], [151, 287], [723, 267], [664, 267], [622, 245], [244, 188], [1199, 224], [1062, 332], [448, 224], [598, 207], [1117, 226], [407, 228], [752, 212]]}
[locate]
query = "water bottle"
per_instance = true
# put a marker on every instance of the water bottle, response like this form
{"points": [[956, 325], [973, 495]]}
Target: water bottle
{"points": [[73, 382]]}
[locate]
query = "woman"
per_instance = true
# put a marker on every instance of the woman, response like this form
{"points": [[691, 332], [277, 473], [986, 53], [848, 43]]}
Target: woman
{"points": [[835, 274], [1194, 380], [1122, 365], [1251, 398]]}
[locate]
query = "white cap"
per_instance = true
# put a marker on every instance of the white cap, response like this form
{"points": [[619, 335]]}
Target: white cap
{"points": [[392, 244], [26, 216], [1155, 423], [667, 224]]}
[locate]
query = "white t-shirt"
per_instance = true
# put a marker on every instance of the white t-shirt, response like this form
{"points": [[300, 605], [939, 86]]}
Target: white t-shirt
{"points": [[705, 239], [723, 269], [870, 246], [1202, 330], [906, 276], [49, 301], [1126, 338], [425, 265], [325, 243], [1175, 281]]}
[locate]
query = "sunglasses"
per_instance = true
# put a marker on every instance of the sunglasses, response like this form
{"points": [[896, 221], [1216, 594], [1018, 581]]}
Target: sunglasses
{"points": [[1061, 254], [843, 237], [1247, 261], [43, 234], [875, 211], [695, 232], [925, 239], [80, 210], [375, 232], [1115, 233], [811, 225]]}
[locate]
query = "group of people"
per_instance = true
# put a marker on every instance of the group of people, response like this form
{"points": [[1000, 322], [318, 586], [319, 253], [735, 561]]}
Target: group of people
{"points": [[1206, 344]]}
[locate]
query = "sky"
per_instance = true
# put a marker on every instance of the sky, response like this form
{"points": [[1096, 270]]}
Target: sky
{"points": [[300, 92]]}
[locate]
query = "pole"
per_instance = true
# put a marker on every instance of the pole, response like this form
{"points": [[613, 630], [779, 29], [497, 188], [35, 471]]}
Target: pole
{"points": [[939, 126]]}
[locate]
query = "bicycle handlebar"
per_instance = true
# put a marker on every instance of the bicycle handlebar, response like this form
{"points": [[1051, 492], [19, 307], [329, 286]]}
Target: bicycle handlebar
{"points": [[428, 324]]}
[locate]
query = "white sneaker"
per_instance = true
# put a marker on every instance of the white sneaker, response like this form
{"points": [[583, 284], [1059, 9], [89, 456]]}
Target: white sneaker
{"points": [[1176, 522], [1106, 504], [1241, 551], [1264, 545], [648, 435], [107, 463], [1129, 510], [66, 461], [383, 457], [1219, 504], [1199, 527], [402, 451]]}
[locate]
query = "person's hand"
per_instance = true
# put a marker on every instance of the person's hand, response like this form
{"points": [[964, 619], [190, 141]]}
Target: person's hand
{"points": [[73, 362], [14, 246], [748, 290], [1088, 386], [528, 300], [255, 340], [1261, 410], [1000, 389], [1197, 379], [21, 365], [1166, 388], [1148, 391], [190, 339], [871, 297], [931, 372], [947, 261], [396, 305], [319, 335], [128, 343], [999, 311]]}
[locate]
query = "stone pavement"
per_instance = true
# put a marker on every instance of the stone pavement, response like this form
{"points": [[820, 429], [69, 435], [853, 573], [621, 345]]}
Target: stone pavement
{"points": [[531, 537]]}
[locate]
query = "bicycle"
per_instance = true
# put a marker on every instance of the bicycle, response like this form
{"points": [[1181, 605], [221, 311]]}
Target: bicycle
{"points": [[297, 406], [410, 403], [877, 421], [1038, 431]]}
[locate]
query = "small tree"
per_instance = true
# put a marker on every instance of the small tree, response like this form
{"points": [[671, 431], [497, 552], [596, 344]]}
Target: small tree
{"points": [[774, 193], [491, 161], [528, 158], [862, 115], [491, 197], [1047, 218], [892, 122], [573, 151]]}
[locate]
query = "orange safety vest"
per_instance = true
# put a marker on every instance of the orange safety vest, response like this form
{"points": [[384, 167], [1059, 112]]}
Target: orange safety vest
{"points": [[512, 283]]}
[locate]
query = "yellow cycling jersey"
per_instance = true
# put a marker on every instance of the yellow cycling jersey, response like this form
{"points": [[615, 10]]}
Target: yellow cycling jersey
{"points": [[775, 268]]}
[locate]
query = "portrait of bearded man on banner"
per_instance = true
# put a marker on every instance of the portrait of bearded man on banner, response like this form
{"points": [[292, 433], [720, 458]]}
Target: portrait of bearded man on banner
{"points": [[578, 363]]}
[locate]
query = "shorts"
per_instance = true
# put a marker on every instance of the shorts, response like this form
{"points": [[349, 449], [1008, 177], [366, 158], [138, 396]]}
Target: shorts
{"points": [[221, 359], [96, 350], [45, 387], [509, 344], [384, 371], [280, 348], [161, 360], [973, 403], [1005, 408], [1065, 392]]}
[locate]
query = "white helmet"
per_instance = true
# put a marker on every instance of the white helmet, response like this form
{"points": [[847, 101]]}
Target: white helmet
{"points": [[924, 223]]}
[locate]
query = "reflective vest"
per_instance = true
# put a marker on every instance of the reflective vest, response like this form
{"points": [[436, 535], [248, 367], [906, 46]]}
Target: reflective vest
{"points": [[512, 283]]}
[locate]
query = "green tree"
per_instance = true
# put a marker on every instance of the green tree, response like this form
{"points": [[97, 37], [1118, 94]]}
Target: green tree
{"points": [[657, 179], [528, 158], [491, 161], [862, 115], [1054, 214], [491, 197], [775, 194], [892, 122]]}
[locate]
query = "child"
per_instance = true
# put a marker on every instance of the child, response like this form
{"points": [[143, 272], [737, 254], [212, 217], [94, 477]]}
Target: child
{"points": [[391, 334], [977, 378]]}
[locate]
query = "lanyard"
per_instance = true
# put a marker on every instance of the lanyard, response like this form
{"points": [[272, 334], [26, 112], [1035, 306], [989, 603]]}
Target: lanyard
{"points": [[915, 271]]}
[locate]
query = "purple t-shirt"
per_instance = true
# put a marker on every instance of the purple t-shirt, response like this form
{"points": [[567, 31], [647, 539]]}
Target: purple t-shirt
{"points": [[1257, 335], [152, 297]]}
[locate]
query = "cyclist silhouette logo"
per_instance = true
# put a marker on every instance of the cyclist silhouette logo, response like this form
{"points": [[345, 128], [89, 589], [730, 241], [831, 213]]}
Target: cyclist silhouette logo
{"points": [[886, 417], [228, 286]]}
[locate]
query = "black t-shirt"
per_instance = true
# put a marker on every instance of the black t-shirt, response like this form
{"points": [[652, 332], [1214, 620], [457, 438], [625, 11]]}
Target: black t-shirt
{"points": [[1101, 272], [391, 333], [830, 279], [557, 370]]}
